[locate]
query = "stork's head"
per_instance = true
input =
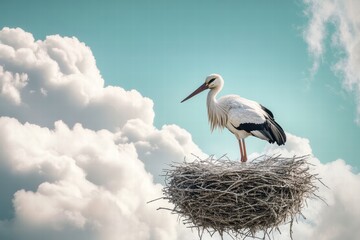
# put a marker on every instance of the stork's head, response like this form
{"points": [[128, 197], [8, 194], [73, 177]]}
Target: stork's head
{"points": [[213, 81]]}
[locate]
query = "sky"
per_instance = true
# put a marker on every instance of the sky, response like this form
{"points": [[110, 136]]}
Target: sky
{"points": [[90, 107]]}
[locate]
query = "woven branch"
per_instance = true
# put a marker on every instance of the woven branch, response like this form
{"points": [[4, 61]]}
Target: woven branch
{"points": [[239, 199]]}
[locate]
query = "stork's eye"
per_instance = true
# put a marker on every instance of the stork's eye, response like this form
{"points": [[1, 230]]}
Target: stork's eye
{"points": [[211, 80]]}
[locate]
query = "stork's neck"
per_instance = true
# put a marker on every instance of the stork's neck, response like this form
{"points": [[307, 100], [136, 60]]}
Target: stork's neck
{"points": [[211, 97], [216, 113]]}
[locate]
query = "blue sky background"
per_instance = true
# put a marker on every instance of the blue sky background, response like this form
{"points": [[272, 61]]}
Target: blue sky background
{"points": [[165, 49]]}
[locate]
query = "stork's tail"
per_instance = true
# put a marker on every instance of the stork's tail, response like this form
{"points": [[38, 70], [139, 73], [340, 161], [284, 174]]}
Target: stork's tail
{"points": [[276, 133]]}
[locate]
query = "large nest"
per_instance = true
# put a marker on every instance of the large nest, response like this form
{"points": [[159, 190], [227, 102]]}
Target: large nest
{"points": [[240, 199]]}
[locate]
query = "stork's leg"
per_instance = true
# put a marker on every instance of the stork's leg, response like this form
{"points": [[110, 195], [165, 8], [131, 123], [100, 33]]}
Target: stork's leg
{"points": [[244, 159], [242, 150]]}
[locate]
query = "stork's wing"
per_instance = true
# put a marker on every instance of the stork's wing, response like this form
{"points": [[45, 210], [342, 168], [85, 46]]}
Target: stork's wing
{"points": [[248, 120], [239, 116], [253, 119]]}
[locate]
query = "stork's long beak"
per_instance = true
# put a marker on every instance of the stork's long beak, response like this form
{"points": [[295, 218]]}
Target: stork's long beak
{"points": [[199, 90]]}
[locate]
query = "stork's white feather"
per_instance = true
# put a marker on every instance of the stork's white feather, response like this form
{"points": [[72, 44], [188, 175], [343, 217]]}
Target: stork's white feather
{"points": [[241, 110]]}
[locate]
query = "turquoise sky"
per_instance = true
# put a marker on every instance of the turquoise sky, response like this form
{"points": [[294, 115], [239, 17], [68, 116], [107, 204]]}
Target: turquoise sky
{"points": [[165, 49]]}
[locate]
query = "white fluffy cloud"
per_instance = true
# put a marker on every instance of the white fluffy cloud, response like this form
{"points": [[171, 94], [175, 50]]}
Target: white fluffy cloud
{"points": [[340, 217], [72, 151], [78, 181], [57, 79], [157, 148], [345, 18]]}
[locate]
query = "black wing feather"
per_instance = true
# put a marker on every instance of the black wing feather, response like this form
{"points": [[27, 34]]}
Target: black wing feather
{"points": [[267, 111], [270, 129]]}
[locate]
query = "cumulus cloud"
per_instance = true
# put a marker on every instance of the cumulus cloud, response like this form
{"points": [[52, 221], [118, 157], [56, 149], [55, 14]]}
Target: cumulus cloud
{"points": [[57, 79], [339, 218], [11, 84], [344, 17], [159, 147], [78, 181], [72, 151]]}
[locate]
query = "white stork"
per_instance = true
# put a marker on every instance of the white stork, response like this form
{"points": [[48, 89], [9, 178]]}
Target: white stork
{"points": [[240, 116]]}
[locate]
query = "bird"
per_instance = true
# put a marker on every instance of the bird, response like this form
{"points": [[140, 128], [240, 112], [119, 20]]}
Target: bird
{"points": [[241, 116]]}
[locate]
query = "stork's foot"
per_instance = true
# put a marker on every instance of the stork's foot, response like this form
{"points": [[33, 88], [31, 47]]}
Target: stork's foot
{"points": [[243, 158]]}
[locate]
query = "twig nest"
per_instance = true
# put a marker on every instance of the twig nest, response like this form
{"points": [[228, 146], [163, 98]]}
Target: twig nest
{"points": [[239, 199]]}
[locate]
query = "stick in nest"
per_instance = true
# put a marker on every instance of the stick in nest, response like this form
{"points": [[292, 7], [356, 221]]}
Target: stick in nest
{"points": [[241, 200]]}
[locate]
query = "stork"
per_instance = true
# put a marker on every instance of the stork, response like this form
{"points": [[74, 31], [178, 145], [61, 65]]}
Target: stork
{"points": [[241, 116]]}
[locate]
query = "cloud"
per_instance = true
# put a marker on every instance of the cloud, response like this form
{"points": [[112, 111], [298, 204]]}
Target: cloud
{"points": [[159, 147], [340, 217], [11, 84], [57, 79], [72, 151], [78, 181], [344, 17]]}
